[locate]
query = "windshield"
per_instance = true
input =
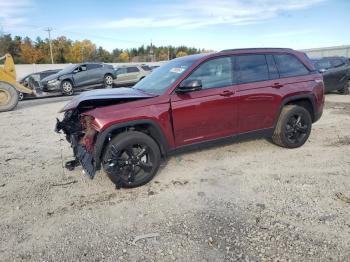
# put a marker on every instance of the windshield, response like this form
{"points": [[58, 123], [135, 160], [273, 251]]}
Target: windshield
{"points": [[68, 69], [162, 78]]}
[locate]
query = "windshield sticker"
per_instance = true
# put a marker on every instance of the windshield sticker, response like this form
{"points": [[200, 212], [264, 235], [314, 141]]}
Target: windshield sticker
{"points": [[177, 70]]}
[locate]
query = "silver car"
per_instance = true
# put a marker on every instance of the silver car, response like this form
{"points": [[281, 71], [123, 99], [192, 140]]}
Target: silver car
{"points": [[130, 75]]}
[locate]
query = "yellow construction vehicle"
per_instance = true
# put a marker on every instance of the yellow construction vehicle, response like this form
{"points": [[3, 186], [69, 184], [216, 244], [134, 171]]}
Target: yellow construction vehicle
{"points": [[9, 88]]}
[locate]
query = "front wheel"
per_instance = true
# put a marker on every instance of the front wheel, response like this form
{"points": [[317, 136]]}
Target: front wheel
{"points": [[131, 159], [108, 81], [8, 97], [67, 88], [293, 127]]}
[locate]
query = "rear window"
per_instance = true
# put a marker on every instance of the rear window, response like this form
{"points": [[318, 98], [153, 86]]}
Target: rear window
{"points": [[146, 68], [289, 65], [252, 68], [132, 69]]}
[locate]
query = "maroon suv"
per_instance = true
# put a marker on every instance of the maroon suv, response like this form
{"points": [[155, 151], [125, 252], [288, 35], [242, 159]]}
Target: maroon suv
{"points": [[268, 92]]}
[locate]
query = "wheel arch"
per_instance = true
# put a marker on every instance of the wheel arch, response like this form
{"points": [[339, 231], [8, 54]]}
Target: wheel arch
{"points": [[146, 126], [305, 100]]}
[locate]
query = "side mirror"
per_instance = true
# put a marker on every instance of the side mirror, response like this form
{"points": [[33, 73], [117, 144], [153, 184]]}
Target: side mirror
{"points": [[75, 70], [322, 70], [189, 86]]}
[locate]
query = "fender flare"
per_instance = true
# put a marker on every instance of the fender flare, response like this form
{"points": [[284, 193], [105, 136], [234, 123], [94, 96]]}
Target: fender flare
{"points": [[103, 136], [292, 98]]}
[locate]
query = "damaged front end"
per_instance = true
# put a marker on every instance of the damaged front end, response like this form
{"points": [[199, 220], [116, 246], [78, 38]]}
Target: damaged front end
{"points": [[81, 134]]}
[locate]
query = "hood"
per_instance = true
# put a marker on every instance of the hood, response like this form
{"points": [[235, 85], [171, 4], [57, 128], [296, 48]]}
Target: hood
{"points": [[51, 77], [112, 95]]}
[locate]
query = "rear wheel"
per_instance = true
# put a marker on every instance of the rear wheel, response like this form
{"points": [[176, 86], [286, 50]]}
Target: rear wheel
{"points": [[293, 127], [67, 88], [108, 81], [131, 159], [346, 89], [8, 97]]}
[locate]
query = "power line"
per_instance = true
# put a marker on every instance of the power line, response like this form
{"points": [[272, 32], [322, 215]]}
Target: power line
{"points": [[49, 31]]}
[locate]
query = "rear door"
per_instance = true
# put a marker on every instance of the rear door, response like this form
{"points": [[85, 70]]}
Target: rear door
{"points": [[121, 75], [258, 96], [339, 76], [132, 74], [95, 74], [325, 67], [208, 113]]}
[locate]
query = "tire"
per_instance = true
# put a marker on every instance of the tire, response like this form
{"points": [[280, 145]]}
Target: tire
{"points": [[346, 89], [67, 88], [20, 96], [8, 97], [131, 159], [108, 81], [293, 127]]}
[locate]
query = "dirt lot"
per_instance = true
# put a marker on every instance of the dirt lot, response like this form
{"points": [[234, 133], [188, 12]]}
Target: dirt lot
{"points": [[249, 201]]}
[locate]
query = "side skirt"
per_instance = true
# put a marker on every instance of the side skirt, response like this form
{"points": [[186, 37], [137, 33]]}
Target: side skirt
{"points": [[261, 133]]}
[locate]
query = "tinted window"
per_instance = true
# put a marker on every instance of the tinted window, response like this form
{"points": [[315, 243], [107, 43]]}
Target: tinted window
{"points": [[252, 68], [214, 73], [121, 70], [289, 65], [337, 62], [273, 72], [146, 68], [93, 66], [322, 64], [132, 69]]}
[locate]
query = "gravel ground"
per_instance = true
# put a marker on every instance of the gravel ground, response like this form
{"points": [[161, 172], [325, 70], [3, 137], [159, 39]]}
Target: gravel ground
{"points": [[248, 201]]}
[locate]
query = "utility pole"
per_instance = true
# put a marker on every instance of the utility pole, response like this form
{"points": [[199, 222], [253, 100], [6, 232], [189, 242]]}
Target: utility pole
{"points": [[49, 31]]}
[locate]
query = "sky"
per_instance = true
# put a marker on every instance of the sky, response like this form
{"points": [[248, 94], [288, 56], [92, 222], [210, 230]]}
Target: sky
{"points": [[208, 24]]}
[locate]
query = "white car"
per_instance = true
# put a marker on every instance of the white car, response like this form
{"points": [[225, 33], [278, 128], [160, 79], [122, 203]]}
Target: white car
{"points": [[130, 75]]}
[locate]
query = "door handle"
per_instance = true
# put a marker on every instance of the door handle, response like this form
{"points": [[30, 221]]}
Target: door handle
{"points": [[227, 93], [277, 85]]}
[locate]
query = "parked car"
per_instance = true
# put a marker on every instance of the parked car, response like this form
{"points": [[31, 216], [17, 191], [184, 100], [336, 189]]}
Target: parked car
{"points": [[194, 100], [33, 81], [336, 73], [130, 75], [79, 77]]}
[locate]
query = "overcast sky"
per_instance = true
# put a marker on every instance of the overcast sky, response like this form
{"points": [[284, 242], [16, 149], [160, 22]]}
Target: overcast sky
{"points": [[210, 24]]}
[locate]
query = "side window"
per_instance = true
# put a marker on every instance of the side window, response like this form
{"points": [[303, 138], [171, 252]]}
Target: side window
{"points": [[252, 68], [121, 71], [132, 69], [93, 66], [337, 62], [214, 73], [289, 65], [273, 72], [146, 68], [322, 64]]}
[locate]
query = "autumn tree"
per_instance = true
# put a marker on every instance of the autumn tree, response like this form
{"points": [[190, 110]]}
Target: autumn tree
{"points": [[181, 53], [29, 53], [124, 57]]}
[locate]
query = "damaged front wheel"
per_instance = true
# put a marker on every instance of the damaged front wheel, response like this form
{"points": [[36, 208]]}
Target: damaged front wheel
{"points": [[131, 159]]}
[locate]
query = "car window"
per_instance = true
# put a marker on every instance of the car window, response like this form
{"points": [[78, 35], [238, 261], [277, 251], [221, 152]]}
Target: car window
{"points": [[337, 62], [93, 66], [273, 72], [289, 65], [146, 68], [121, 71], [214, 73], [132, 69], [251, 68], [322, 64]]}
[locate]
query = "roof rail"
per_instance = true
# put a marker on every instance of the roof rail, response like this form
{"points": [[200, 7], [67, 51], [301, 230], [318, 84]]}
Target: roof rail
{"points": [[258, 48]]}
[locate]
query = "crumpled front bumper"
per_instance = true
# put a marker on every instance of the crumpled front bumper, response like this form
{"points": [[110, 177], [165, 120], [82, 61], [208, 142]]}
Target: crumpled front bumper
{"points": [[84, 157]]}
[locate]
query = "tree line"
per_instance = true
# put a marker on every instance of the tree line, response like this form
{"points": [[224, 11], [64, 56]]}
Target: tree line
{"points": [[28, 51]]}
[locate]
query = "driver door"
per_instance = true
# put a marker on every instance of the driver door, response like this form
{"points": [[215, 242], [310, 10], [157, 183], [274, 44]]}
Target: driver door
{"points": [[81, 76], [208, 113]]}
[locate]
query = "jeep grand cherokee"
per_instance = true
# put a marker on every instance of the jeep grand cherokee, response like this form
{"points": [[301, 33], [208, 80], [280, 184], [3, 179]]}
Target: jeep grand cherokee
{"points": [[193, 100]]}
